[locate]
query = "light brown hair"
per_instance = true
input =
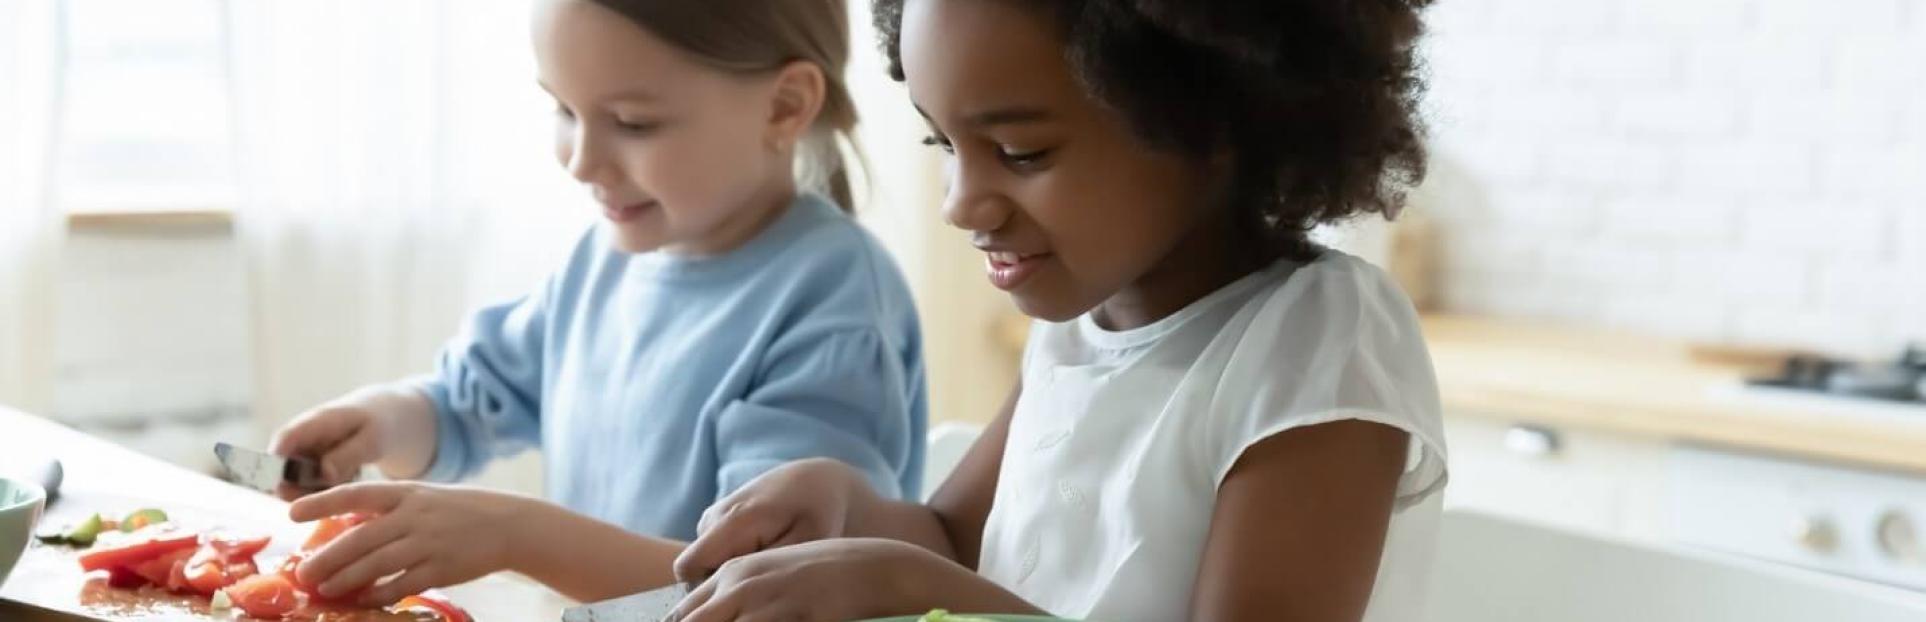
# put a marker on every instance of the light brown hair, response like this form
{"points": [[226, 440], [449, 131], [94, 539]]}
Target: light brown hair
{"points": [[754, 36]]}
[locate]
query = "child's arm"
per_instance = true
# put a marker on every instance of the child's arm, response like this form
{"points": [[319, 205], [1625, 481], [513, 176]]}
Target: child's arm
{"points": [[594, 560], [430, 536], [487, 385], [818, 499], [813, 581], [1323, 493]]}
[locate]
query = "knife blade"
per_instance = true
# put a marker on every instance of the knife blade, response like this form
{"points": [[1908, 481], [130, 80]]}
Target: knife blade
{"points": [[266, 472], [651, 606]]}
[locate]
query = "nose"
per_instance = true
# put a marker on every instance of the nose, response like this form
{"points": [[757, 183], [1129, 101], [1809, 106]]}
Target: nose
{"points": [[972, 204], [579, 151]]}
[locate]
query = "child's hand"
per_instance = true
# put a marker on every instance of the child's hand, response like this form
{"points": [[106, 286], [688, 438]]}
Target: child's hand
{"points": [[802, 501], [434, 536], [370, 425], [842, 579]]}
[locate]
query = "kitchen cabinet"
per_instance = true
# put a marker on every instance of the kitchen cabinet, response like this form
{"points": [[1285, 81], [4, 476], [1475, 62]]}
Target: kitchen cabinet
{"points": [[1564, 476], [1491, 569], [1853, 522], [1843, 520]]}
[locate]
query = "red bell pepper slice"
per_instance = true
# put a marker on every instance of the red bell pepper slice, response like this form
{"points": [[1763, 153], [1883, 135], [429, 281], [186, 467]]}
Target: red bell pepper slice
{"points": [[143, 549]]}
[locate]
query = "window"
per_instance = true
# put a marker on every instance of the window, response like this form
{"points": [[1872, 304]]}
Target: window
{"points": [[145, 115]]}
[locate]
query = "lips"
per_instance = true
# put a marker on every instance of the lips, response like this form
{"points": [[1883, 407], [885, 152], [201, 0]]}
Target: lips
{"points": [[1008, 258], [626, 213], [1008, 270]]}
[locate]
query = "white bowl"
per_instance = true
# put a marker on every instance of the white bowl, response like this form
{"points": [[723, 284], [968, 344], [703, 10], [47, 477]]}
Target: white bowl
{"points": [[20, 506]]}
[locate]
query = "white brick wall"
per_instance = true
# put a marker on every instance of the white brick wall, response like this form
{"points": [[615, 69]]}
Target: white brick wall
{"points": [[1743, 171]]}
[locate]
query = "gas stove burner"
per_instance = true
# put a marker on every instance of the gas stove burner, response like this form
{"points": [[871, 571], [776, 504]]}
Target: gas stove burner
{"points": [[1903, 380]]}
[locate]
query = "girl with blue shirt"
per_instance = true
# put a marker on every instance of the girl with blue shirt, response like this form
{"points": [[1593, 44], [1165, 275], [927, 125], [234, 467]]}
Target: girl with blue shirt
{"points": [[724, 320]]}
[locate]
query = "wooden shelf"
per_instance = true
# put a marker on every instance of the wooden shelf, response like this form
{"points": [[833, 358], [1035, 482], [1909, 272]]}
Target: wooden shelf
{"points": [[149, 220]]}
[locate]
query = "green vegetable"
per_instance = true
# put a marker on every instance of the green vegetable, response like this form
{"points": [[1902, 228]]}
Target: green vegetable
{"points": [[940, 615], [84, 533], [141, 518], [51, 536]]}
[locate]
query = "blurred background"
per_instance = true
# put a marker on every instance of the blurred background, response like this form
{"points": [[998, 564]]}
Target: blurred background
{"points": [[1672, 254]]}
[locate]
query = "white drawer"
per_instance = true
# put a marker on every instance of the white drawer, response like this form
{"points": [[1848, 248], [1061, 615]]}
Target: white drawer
{"points": [[1858, 523], [1579, 479]]}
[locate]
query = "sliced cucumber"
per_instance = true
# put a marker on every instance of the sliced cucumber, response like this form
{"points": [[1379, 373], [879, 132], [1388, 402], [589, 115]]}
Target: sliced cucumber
{"points": [[84, 533], [142, 518]]}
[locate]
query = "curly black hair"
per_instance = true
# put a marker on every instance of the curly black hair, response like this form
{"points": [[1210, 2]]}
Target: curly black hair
{"points": [[1316, 101]]}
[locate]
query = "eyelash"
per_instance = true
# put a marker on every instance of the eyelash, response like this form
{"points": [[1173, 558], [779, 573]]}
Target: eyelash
{"points": [[940, 143], [638, 129], [1021, 162]]}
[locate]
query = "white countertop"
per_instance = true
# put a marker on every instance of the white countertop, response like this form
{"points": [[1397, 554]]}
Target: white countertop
{"points": [[96, 469]]}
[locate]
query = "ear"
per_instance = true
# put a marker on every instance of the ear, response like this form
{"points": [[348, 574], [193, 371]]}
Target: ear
{"points": [[800, 89]]}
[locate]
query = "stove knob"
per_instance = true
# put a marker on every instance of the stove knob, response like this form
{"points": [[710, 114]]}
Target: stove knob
{"points": [[1898, 540], [1816, 534]]}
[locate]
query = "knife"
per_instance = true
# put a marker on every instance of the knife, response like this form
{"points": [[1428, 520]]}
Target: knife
{"points": [[651, 606], [266, 472]]}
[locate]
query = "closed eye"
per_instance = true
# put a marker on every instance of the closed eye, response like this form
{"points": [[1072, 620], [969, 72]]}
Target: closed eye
{"points": [[639, 128], [938, 141], [1027, 159]]}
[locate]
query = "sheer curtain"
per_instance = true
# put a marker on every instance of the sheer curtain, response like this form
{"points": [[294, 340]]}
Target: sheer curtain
{"points": [[30, 227], [385, 149]]}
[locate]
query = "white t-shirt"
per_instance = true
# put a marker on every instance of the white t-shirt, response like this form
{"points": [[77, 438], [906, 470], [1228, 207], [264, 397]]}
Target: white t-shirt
{"points": [[1120, 438]]}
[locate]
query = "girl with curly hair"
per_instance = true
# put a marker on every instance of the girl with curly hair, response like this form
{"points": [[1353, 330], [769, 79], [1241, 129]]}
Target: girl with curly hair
{"points": [[1217, 419]]}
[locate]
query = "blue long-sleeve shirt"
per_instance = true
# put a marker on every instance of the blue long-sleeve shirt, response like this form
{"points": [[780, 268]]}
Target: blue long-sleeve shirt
{"points": [[656, 384]]}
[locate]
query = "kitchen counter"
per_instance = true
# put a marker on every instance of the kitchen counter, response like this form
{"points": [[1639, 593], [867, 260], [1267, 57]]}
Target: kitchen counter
{"points": [[1519, 372], [99, 470]]}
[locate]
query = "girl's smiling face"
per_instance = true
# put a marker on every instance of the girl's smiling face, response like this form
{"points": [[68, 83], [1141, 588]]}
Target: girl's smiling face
{"points": [[681, 156], [1070, 208]]}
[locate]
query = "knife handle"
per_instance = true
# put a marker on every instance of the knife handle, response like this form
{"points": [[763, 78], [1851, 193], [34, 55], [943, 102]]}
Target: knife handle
{"points": [[304, 474]]}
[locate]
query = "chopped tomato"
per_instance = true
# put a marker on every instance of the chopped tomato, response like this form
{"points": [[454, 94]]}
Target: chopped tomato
{"points": [[268, 596], [221, 561], [177, 573], [144, 547], [152, 571], [160, 570], [288, 567], [327, 529], [208, 575], [287, 571], [235, 547], [447, 611], [122, 577]]}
